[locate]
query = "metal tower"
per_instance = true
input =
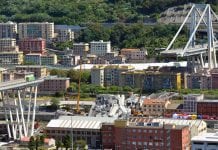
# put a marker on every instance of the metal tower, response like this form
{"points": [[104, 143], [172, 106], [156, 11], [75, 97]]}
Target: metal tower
{"points": [[200, 15], [19, 104]]}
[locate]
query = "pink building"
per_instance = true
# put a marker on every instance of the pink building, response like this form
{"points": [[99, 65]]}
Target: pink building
{"points": [[32, 45]]}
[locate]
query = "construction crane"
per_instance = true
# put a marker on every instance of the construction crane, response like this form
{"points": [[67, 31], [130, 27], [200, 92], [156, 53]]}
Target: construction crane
{"points": [[78, 95]]}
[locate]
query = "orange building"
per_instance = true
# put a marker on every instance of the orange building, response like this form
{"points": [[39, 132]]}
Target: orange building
{"points": [[154, 107]]}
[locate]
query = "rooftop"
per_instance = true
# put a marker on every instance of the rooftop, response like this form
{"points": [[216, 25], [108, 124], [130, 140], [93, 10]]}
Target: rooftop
{"points": [[206, 137], [79, 122]]}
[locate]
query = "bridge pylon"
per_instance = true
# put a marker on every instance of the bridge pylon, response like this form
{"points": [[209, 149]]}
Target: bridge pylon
{"points": [[200, 15], [19, 103]]}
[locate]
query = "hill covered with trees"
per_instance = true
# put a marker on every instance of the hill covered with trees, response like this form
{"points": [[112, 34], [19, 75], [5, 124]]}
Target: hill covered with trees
{"points": [[87, 11]]}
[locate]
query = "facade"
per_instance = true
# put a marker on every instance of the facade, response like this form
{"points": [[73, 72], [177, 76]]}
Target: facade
{"points": [[29, 45], [8, 45], [190, 102], [128, 136], [33, 59], [8, 30], [7, 76], [99, 60], [207, 107], [64, 35], [110, 56], [70, 60], [22, 74], [214, 78], [97, 75], [81, 128], [112, 74], [154, 107], [198, 81], [53, 85], [207, 141], [80, 49], [155, 80], [35, 30], [100, 48], [49, 59], [11, 58], [133, 54], [132, 79], [120, 59], [39, 71]]}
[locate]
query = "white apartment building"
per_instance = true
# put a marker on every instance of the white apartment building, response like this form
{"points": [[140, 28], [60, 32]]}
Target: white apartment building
{"points": [[206, 141], [64, 35], [8, 30], [100, 48], [34, 30]]}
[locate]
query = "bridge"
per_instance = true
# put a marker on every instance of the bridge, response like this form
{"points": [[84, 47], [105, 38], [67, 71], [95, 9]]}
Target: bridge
{"points": [[197, 55], [13, 95]]}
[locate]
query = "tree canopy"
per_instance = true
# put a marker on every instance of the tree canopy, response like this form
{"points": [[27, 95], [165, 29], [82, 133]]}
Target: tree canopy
{"points": [[87, 11]]}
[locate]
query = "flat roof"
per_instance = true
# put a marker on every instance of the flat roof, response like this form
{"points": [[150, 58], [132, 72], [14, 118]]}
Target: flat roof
{"points": [[79, 122], [206, 137], [138, 66]]}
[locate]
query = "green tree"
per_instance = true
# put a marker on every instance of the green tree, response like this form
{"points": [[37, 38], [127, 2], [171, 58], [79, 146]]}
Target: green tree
{"points": [[67, 141], [55, 103], [58, 144], [32, 143]]}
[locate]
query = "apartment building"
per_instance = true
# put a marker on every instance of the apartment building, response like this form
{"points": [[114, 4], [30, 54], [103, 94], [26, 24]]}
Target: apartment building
{"points": [[29, 45], [7, 76], [50, 59], [54, 84], [11, 58], [154, 107], [154, 81], [33, 59], [33, 30], [153, 135], [100, 48], [70, 60], [64, 35], [80, 49], [8, 30], [81, 128], [132, 79], [207, 141], [39, 71], [112, 74], [190, 102], [133, 54], [97, 75], [8, 45]]}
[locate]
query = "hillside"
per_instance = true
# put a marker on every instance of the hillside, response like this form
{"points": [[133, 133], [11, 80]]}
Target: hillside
{"points": [[87, 11]]}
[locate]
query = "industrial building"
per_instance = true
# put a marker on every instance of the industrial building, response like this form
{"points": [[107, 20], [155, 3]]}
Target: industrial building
{"points": [[79, 127], [207, 141]]}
